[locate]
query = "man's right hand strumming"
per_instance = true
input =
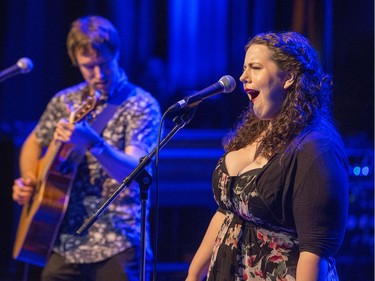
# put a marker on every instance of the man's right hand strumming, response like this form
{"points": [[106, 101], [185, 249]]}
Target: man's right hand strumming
{"points": [[23, 189]]}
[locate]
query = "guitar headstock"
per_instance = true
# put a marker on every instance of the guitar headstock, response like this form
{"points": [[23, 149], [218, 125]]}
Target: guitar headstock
{"points": [[85, 108]]}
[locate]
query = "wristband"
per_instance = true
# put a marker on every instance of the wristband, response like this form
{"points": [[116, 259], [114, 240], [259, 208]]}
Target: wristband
{"points": [[97, 147]]}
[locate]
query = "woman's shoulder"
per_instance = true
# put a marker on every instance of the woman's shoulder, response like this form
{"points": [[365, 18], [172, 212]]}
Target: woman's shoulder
{"points": [[319, 139]]}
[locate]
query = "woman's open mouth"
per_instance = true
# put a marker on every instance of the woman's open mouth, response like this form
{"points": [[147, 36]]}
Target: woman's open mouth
{"points": [[252, 94]]}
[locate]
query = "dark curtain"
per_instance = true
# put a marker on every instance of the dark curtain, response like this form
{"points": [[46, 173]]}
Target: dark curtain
{"points": [[173, 47], [170, 47]]}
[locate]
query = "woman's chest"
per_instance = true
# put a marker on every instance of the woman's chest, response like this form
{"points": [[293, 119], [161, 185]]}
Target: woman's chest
{"points": [[247, 195]]}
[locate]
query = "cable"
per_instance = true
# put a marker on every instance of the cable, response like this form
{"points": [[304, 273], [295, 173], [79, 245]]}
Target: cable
{"points": [[157, 195]]}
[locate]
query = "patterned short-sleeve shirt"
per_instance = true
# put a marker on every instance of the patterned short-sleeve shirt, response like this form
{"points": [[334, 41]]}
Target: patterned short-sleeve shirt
{"points": [[135, 122]]}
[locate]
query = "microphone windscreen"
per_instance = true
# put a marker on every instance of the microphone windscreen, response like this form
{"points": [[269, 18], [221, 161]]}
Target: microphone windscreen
{"points": [[228, 82], [25, 65]]}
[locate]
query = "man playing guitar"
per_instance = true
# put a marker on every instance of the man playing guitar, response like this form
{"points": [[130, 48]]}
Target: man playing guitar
{"points": [[109, 123]]}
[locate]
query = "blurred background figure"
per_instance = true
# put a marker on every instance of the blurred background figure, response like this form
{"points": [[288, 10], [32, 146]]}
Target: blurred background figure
{"points": [[120, 128]]}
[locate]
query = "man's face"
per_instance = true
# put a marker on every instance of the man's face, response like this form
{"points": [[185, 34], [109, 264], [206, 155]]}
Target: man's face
{"points": [[100, 71]]}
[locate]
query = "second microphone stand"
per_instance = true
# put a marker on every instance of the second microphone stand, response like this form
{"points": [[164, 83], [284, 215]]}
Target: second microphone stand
{"points": [[144, 179]]}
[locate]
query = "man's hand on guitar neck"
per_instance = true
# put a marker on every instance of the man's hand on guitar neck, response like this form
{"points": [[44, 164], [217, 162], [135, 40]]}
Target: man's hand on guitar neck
{"points": [[78, 134], [23, 189]]}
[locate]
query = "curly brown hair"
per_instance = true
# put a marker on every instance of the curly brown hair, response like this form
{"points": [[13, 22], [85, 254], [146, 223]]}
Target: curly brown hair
{"points": [[308, 99], [92, 33]]}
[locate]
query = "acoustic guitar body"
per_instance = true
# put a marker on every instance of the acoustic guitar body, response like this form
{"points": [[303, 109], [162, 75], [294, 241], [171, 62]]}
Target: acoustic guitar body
{"points": [[41, 217]]}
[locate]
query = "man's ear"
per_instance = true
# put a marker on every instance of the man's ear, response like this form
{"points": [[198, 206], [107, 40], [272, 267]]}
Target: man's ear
{"points": [[290, 77]]}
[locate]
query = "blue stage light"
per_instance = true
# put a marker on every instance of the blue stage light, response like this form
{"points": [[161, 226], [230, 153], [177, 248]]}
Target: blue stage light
{"points": [[357, 170], [365, 171]]}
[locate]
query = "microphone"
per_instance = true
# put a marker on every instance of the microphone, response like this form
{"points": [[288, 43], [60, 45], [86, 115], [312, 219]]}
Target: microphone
{"points": [[226, 84], [23, 65]]}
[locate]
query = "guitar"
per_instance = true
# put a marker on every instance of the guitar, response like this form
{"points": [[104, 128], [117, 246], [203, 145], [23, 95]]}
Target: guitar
{"points": [[41, 217]]}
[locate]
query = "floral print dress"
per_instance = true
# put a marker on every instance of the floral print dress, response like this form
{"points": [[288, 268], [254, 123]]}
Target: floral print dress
{"points": [[252, 244]]}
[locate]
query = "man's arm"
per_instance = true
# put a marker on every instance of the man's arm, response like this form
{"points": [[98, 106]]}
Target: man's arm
{"points": [[30, 154], [23, 187], [118, 164]]}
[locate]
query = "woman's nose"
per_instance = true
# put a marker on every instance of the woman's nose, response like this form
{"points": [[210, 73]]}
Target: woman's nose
{"points": [[245, 77]]}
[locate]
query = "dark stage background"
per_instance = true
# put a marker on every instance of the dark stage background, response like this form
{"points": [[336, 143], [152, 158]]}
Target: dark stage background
{"points": [[172, 48]]}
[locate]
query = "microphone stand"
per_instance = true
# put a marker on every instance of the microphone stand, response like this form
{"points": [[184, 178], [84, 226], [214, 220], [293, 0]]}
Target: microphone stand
{"points": [[143, 178]]}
